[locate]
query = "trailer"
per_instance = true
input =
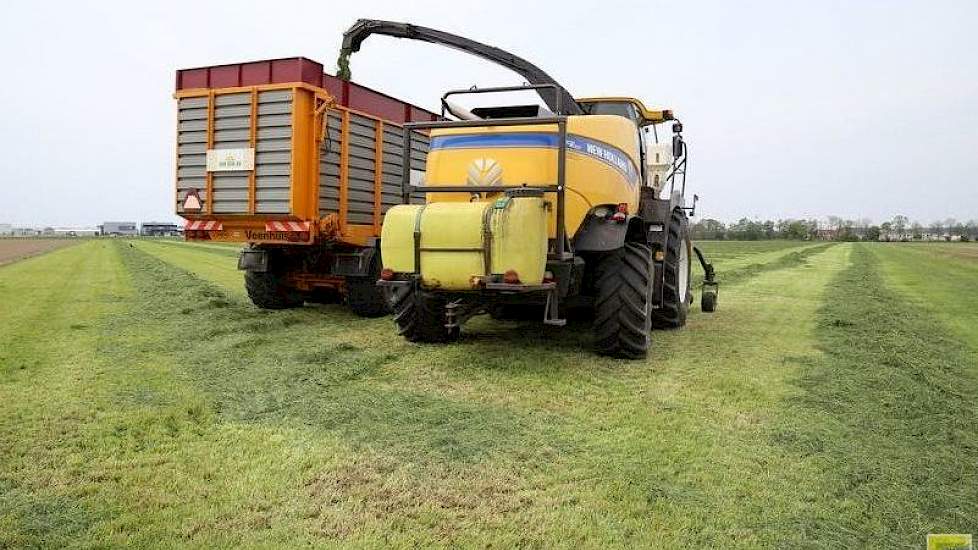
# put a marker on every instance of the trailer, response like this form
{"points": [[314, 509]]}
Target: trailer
{"points": [[298, 166]]}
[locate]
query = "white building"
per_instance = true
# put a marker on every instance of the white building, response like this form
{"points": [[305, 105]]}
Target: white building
{"points": [[76, 231], [127, 229]]}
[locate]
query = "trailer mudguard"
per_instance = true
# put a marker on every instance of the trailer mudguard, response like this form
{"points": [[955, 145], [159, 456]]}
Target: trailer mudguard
{"points": [[253, 259], [602, 234]]}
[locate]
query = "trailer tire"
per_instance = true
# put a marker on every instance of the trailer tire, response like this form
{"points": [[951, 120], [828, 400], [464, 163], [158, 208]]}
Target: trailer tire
{"points": [[268, 291], [364, 297], [420, 316], [678, 257], [622, 321], [324, 296]]}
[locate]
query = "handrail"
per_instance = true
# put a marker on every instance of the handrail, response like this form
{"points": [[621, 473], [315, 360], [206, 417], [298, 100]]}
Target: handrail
{"points": [[560, 120]]}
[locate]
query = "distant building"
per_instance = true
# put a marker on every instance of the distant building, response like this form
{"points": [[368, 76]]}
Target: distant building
{"points": [[122, 229], [160, 229], [826, 234], [76, 231], [894, 237], [6, 229]]}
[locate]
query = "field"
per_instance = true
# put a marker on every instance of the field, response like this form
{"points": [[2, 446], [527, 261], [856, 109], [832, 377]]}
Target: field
{"points": [[830, 402], [14, 249]]}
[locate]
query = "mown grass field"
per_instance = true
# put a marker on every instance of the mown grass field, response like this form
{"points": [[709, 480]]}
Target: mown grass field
{"points": [[829, 403]]}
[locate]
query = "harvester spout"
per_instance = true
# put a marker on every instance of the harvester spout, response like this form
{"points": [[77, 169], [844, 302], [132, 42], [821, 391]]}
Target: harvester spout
{"points": [[356, 34]]}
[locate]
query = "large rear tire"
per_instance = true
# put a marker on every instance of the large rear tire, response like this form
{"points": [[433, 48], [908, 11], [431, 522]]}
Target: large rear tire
{"points": [[677, 267], [363, 295], [420, 317], [622, 324], [269, 291]]}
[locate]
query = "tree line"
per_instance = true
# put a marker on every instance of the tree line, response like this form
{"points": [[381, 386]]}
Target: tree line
{"points": [[899, 228]]}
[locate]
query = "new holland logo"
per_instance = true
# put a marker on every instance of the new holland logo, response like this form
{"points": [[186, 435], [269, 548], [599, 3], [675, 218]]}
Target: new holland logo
{"points": [[484, 172]]}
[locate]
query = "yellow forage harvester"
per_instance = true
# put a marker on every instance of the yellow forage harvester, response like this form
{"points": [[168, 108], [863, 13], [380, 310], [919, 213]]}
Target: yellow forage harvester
{"points": [[534, 208]]}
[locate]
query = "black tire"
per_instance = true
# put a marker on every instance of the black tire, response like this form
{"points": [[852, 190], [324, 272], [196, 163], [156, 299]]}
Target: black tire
{"points": [[708, 301], [622, 324], [268, 291], [324, 296], [363, 295], [419, 316], [675, 300]]}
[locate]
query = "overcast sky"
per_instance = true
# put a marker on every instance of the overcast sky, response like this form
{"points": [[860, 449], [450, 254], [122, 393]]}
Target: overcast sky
{"points": [[858, 109]]}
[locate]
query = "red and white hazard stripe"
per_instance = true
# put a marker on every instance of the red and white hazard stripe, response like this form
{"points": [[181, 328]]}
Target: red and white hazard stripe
{"points": [[203, 225], [287, 226]]}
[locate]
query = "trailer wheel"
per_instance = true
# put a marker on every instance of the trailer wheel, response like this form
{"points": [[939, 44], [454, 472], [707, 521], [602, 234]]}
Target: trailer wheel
{"points": [[363, 295], [622, 323], [419, 316], [324, 296], [268, 291], [677, 267]]}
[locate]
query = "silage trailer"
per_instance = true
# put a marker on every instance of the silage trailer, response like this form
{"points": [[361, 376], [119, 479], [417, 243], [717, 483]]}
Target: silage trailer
{"points": [[300, 167]]}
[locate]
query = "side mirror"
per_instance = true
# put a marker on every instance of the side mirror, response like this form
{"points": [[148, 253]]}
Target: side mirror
{"points": [[677, 146]]}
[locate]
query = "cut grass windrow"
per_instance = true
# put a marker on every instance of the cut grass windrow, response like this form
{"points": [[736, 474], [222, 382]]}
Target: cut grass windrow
{"points": [[783, 260], [890, 410]]}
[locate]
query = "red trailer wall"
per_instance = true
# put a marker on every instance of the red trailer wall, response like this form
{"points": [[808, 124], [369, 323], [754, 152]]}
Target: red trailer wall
{"points": [[301, 69]]}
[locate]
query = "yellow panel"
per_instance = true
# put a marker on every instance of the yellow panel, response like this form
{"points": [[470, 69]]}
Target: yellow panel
{"points": [[453, 241], [519, 239], [397, 238], [456, 228], [590, 181]]}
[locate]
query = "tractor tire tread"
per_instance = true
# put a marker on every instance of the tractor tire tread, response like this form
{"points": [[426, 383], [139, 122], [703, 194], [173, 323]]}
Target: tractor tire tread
{"points": [[675, 301], [621, 323]]}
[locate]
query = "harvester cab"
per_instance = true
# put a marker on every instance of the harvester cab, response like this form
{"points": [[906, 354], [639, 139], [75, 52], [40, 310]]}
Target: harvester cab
{"points": [[574, 204]]}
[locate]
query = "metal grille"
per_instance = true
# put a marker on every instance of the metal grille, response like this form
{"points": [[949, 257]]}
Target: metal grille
{"points": [[393, 153], [191, 148], [232, 130], [360, 195], [273, 155]]}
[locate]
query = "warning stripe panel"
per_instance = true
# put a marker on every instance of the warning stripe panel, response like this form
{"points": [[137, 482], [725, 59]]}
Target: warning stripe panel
{"points": [[287, 226], [203, 225]]}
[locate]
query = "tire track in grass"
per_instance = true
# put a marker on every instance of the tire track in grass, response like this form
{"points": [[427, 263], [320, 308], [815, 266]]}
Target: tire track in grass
{"points": [[889, 413]]}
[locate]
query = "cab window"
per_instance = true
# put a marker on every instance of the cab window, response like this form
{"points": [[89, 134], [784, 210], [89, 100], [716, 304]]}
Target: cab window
{"points": [[618, 108]]}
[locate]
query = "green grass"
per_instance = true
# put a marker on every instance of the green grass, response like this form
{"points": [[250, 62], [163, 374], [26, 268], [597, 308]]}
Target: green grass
{"points": [[146, 403], [939, 277], [213, 263]]}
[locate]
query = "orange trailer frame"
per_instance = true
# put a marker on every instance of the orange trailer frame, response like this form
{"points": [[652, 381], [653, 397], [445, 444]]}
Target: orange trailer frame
{"points": [[309, 116]]}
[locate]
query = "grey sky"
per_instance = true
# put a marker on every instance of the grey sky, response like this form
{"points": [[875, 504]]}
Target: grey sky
{"points": [[857, 109]]}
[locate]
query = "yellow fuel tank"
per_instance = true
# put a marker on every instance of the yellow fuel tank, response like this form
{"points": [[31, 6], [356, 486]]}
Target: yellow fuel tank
{"points": [[462, 244]]}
